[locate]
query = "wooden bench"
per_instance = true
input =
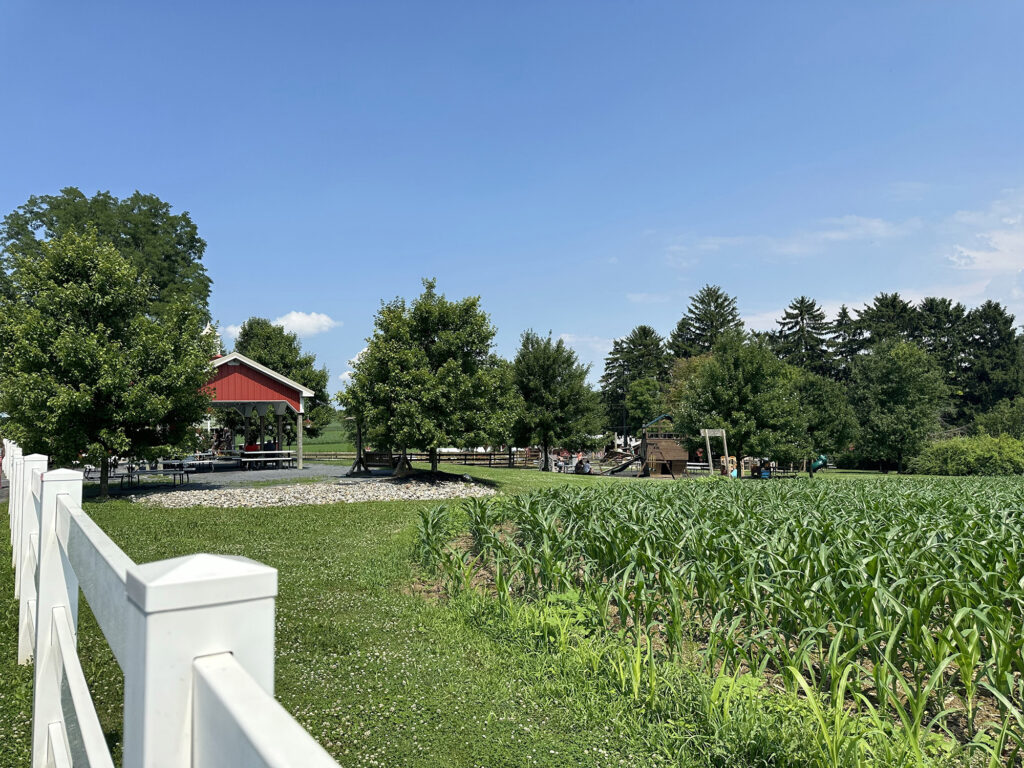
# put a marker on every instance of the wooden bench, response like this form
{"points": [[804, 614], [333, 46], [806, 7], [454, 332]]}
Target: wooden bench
{"points": [[250, 462]]}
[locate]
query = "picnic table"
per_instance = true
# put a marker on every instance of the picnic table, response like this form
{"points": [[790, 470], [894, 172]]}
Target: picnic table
{"points": [[256, 459], [177, 476]]}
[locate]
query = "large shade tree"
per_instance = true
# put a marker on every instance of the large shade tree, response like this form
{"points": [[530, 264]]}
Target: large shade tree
{"points": [[559, 408], [897, 392], [88, 369], [745, 389], [162, 245], [711, 313], [427, 378], [281, 351]]}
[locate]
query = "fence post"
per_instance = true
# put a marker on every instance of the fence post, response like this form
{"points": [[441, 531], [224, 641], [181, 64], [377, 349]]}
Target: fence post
{"points": [[57, 586], [13, 507], [26, 540], [179, 610]]}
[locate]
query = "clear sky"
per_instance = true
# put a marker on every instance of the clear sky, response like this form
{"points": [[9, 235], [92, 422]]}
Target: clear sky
{"points": [[582, 166]]}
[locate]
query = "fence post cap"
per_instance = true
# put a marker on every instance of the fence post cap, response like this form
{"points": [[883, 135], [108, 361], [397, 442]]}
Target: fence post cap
{"points": [[59, 474], [199, 580], [35, 457]]}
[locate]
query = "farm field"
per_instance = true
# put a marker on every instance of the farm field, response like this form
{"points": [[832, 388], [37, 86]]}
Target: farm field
{"points": [[333, 439], [387, 664]]}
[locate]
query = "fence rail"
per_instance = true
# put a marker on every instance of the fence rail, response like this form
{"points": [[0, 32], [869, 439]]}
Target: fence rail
{"points": [[193, 635], [466, 458]]}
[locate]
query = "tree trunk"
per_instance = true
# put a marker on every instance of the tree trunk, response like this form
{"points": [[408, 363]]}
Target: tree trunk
{"points": [[433, 459], [511, 461], [104, 477], [547, 459]]}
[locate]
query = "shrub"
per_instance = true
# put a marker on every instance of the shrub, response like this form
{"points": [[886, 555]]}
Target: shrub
{"points": [[979, 455]]}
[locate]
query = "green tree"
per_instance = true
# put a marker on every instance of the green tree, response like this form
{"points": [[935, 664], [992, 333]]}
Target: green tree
{"points": [[845, 344], [640, 355], [1005, 418], [897, 392], [888, 317], [831, 422], [745, 389], [645, 400], [558, 406], [86, 369], [163, 246], [942, 332], [712, 312], [802, 338], [281, 351], [992, 360], [427, 378]]}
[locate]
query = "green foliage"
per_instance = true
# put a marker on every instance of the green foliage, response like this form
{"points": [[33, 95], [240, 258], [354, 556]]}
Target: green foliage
{"points": [[281, 351], [86, 368], [712, 313], [889, 317], [845, 343], [640, 355], [645, 400], [831, 422], [1005, 418], [802, 338], [978, 455], [428, 379], [746, 389], [993, 366], [897, 393], [559, 409], [163, 246]]}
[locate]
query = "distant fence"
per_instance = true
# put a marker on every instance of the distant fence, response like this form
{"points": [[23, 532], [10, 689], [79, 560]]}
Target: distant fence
{"points": [[193, 635], [520, 460]]}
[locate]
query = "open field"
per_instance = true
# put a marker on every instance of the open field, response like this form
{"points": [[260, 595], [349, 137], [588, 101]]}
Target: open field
{"points": [[387, 665], [333, 438]]}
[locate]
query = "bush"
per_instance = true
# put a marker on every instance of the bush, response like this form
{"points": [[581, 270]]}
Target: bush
{"points": [[980, 455]]}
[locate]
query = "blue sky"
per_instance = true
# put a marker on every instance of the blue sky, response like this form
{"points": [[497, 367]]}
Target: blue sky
{"points": [[582, 166]]}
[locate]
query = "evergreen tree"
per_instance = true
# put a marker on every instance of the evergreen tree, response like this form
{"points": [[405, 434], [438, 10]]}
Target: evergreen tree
{"points": [[558, 408], [992, 362], [640, 355], [888, 317], [712, 312], [845, 344], [802, 338], [942, 333]]}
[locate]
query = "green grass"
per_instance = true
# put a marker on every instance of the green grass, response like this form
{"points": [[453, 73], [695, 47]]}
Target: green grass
{"points": [[382, 675], [333, 438]]}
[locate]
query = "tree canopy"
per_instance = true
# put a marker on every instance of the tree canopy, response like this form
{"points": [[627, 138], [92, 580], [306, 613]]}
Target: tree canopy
{"points": [[281, 351], [428, 379], [558, 406], [711, 313], [163, 246], [87, 370], [802, 338], [745, 389], [897, 393]]}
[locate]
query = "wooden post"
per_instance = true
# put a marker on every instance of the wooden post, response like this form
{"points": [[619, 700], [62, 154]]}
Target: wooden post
{"points": [[280, 432], [707, 447], [725, 447], [298, 440]]}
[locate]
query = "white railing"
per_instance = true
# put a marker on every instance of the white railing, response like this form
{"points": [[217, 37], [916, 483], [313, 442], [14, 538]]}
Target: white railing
{"points": [[193, 635]]}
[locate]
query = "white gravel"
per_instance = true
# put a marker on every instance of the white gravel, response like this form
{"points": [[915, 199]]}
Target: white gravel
{"points": [[312, 493]]}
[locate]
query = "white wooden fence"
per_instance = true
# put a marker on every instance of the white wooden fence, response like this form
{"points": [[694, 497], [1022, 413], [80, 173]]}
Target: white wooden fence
{"points": [[193, 635]]}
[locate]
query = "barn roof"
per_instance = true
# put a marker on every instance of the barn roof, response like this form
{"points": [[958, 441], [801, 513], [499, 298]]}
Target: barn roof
{"points": [[239, 380]]}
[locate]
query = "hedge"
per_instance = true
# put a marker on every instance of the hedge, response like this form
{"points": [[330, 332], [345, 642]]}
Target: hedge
{"points": [[979, 455]]}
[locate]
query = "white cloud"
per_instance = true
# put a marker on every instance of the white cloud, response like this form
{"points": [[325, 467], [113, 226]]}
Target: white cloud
{"points": [[346, 377], [597, 346], [647, 298], [806, 242], [355, 360], [232, 331], [306, 323]]}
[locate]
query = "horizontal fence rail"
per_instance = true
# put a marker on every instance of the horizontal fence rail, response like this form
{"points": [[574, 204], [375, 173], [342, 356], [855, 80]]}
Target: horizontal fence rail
{"points": [[194, 637]]}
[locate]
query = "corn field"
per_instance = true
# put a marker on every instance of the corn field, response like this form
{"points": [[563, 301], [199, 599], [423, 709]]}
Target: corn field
{"points": [[899, 600]]}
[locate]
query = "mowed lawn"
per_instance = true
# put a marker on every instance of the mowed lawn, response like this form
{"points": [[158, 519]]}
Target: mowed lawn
{"points": [[332, 439], [379, 674]]}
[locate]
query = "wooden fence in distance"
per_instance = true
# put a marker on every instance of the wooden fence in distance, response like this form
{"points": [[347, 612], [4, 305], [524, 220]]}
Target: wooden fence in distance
{"points": [[466, 458]]}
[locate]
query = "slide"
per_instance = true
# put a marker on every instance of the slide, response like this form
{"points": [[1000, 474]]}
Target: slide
{"points": [[821, 461]]}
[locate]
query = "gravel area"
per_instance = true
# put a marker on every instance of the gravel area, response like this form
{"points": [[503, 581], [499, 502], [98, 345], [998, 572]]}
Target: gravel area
{"points": [[313, 493]]}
